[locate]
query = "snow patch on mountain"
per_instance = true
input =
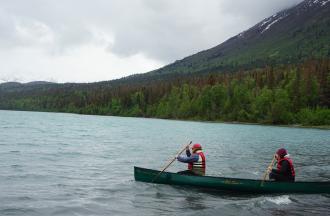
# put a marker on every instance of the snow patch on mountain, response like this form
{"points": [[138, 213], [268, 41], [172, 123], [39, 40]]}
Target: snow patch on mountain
{"points": [[271, 22], [265, 22], [325, 2], [319, 2], [268, 26]]}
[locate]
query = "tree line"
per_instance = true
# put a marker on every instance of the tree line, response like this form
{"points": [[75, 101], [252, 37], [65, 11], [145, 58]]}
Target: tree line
{"points": [[287, 94]]}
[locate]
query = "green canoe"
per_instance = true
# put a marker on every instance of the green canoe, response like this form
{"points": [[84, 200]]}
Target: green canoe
{"points": [[230, 184]]}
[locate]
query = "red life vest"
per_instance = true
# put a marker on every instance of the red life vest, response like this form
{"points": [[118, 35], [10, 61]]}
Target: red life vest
{"points": [[279, 165], [198, 167]]}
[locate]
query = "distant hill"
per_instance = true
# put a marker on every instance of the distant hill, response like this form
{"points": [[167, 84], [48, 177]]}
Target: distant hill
{"points": [[9, 85], [17, 86], [289, 36]]}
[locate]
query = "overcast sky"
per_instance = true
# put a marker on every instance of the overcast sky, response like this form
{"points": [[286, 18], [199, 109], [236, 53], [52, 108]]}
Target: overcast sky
{"points": [[87, 41]]}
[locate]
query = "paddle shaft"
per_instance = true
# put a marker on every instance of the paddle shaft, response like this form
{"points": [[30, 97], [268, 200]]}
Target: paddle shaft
{"points": [[267, 171], [169, 164]]}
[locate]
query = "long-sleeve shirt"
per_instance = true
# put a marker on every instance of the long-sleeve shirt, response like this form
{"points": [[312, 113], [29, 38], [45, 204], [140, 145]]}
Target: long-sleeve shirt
{"points": [[190, 158]]}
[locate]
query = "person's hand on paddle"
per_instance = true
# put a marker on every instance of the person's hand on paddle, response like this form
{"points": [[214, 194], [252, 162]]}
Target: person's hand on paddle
{"points": [[269, 169]]}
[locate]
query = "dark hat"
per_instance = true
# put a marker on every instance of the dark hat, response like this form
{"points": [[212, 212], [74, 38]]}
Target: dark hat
{"points": [[282, 152]]}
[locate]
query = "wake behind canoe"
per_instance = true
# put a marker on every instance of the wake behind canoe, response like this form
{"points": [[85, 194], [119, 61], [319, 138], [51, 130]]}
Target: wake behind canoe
{"points": [[230, 184]]}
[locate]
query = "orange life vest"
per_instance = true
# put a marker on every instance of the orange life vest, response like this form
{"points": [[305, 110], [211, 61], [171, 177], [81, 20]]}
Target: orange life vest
{"points": [[198, 167]]}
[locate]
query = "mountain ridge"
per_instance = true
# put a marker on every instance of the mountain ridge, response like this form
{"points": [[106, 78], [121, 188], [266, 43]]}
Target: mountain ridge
{"points": [[246, 49]]}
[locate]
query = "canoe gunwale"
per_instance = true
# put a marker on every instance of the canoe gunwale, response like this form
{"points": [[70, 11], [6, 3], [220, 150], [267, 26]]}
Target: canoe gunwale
{"points": [[239, 179], [231, 184]]}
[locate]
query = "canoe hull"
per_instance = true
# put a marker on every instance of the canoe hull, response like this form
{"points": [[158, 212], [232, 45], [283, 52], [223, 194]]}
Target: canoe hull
{"points": [[230, 184]]}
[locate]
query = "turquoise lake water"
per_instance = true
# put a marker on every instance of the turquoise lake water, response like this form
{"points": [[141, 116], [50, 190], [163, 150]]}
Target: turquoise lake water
{"points": [[67, 164]]}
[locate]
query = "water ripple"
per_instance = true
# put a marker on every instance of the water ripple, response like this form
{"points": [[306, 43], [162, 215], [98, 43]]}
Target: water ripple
{"points": [[63, 164]]}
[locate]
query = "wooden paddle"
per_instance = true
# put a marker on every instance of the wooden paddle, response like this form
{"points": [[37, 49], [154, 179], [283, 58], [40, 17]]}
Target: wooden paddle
{"points": [[268, 168], [169, 164]]}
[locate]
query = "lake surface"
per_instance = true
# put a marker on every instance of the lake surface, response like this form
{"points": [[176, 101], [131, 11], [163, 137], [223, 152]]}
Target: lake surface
{"points": [[67, 164]]}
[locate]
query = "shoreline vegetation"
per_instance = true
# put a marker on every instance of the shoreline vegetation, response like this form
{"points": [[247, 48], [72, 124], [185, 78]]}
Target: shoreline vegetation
{"points": [[290, 95], [321, 127]]}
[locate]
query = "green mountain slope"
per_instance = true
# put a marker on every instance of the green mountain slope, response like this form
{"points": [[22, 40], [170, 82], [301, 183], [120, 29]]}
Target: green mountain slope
{"points": [[290, 36]]}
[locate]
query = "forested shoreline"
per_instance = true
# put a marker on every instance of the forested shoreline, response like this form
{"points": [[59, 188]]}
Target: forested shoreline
{"points": [[290, 94]]}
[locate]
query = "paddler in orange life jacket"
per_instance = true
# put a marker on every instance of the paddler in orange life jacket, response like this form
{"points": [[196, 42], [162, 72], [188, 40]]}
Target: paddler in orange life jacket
{"points": [[285, 170], [196, 161]]}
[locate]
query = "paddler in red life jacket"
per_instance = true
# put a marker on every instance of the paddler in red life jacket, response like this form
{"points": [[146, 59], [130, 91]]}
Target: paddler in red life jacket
{"points": [[285, 170], [196, 161]]}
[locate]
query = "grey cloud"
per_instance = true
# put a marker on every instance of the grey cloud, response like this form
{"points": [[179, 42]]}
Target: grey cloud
{"points": [[7, 30], [164, 30], [254, 10], [24, 24], [169, 30]]}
